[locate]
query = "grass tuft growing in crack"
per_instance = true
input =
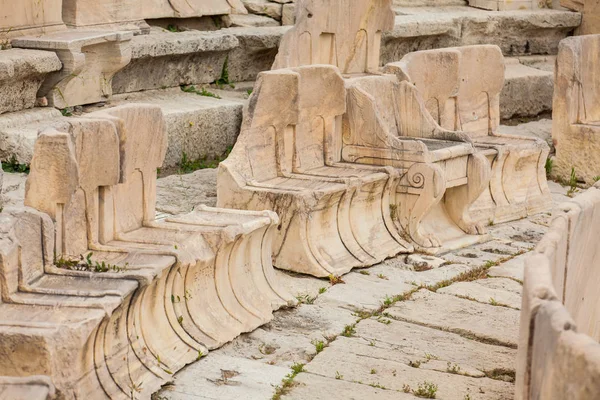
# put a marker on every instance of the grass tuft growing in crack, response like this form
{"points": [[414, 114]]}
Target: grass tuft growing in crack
{"points": [[288, 382]]}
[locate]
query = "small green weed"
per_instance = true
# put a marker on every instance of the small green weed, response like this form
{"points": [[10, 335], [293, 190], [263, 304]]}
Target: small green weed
{"points": [[549, 165], [335, 280], [426, 390], [199, 92], [13, 165], [349, 330]]}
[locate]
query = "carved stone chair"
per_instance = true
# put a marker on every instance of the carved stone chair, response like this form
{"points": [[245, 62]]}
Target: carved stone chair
{"points": [[441, 176], [461, 89], [334, 216], [576, 109], [163, 293]]}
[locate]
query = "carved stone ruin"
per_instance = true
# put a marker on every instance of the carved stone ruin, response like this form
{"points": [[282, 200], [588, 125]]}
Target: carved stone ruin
{"points": [[461, 89], [576, 109], [101, 295], [559, 354], [90, 60]]}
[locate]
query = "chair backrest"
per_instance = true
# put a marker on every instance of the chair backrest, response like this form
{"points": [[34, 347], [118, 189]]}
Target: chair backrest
{"points": [[343, 33], [436, 74], [481, 81], [271, 110], [322, 103], [460, 86]]}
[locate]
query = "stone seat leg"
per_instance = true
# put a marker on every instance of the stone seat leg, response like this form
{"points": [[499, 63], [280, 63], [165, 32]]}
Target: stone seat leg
{"points": [[518, 187]]}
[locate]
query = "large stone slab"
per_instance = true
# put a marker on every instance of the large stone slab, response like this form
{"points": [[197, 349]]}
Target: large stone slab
{"points": [[494, 291], [441, 311], [317, 387], [354, 361], [292, 336], [166, 59], [19, 131], [224, 377], [363, 292], [432, 348], [181, 193], [527, 91], [538, 31], [30, 17], [510, 269], [576, 113]]}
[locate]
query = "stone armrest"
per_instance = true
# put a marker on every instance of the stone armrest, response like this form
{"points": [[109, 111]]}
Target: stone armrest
{"points": [[517, 137]]}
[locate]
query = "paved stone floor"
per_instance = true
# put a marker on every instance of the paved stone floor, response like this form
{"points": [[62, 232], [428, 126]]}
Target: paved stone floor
{"points": [[412, 326], [415, 326]]}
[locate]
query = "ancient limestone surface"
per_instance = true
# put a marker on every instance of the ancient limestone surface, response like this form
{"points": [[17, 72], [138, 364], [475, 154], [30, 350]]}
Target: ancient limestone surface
{"points": [[30, 388], [21, 75], [166, 59], [346, 34], [559, 355], [139, 298], [576, 112], [460, 95], [496, 291], [460, 316], [90, 60], [377, 355], [30, 17]]}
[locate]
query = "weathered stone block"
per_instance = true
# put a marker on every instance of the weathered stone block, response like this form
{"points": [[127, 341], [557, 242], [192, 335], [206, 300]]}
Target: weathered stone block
{"points": [[171, 59], [21, 75]]}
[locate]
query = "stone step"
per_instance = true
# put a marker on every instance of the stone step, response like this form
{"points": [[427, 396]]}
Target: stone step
{"points": [[166, 59], [199, 126], [528, 86]]}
